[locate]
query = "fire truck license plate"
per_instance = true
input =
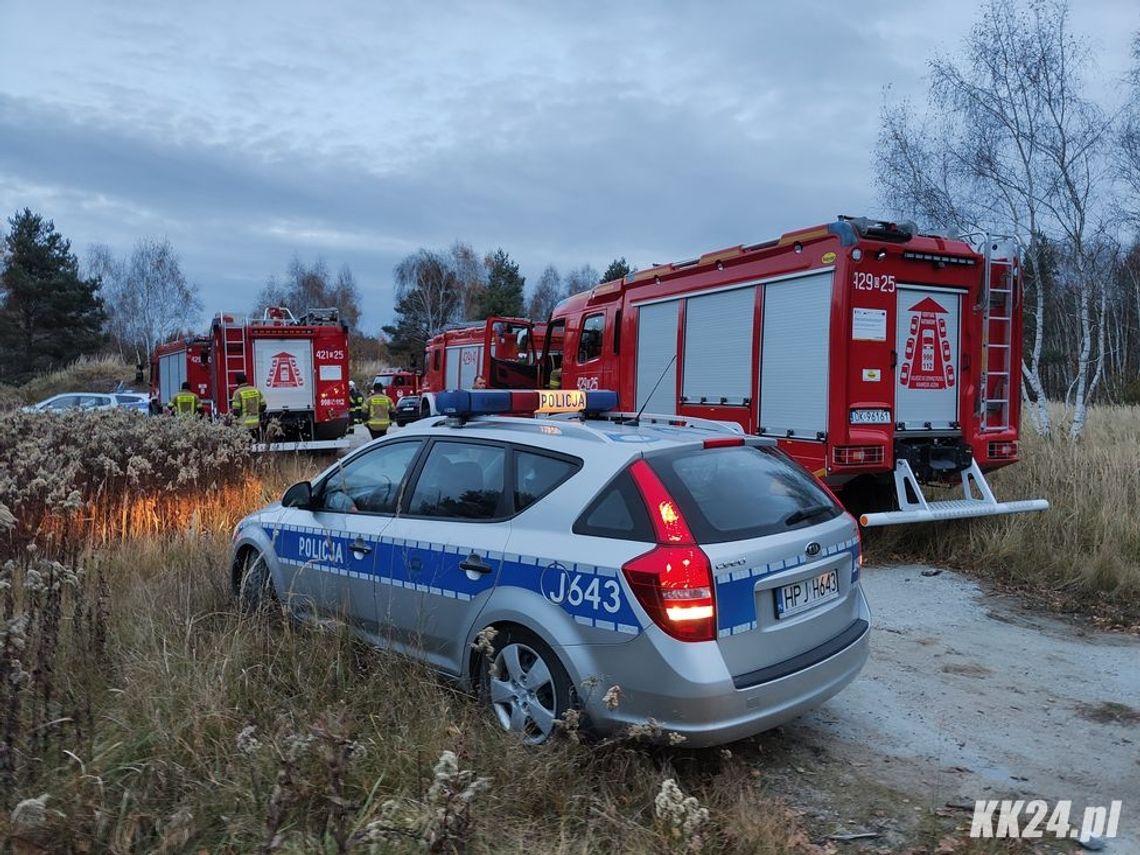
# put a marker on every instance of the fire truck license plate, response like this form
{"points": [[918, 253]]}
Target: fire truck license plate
{"points": [[801, 596], [870, 417]]}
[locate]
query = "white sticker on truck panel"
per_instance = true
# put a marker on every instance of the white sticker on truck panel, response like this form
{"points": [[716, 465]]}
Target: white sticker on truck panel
{"points": [[869, 324]]}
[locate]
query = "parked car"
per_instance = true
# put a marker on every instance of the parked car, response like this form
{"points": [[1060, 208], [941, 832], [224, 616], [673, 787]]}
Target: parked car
{"points": [[126, 400], [133, 401], [407, 410], [75, 400], [541, 561]]}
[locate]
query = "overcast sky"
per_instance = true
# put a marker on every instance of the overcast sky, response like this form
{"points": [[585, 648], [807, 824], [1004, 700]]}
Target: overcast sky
{"points": [[565, 133]]}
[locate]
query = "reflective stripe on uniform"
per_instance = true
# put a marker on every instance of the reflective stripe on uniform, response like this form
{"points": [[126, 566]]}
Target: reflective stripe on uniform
{"points": [[247, 405], [185, 403], [378, 407]]}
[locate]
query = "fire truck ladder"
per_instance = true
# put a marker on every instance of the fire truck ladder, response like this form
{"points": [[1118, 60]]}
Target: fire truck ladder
{"points": [[234, 343], [997, 305]]}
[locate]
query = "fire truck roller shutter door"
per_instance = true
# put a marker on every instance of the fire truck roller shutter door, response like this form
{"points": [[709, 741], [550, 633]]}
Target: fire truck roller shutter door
{"points": [[718, 347], [171, 375], [656, 346], [165, 367], [283, 371], [926, 386], [794, 359], [454, 361]]}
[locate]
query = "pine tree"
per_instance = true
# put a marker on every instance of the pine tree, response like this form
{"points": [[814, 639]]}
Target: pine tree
{"points": [[504, 292], [618, 269], [49, 315]]}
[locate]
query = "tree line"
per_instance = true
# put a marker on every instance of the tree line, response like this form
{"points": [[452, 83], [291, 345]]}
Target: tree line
{"points": [[1012, 140], [53, 308], [438, 289]]}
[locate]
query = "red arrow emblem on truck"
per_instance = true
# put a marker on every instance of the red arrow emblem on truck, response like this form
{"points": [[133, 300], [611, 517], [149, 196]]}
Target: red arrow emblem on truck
{"points": [[283, 373], [927, 364]]}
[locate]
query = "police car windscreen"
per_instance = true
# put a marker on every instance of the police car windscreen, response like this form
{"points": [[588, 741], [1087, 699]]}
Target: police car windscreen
{"points": [[741, 492]]}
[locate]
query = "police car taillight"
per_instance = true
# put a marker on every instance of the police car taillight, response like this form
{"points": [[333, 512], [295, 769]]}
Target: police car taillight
{"points": [[673, 581]]}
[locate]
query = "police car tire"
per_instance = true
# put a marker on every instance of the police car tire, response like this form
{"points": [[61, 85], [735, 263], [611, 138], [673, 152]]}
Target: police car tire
{"points": [[563, 691], [254, 584]]}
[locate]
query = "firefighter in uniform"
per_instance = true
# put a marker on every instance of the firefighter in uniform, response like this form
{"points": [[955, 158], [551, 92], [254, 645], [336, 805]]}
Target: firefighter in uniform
{"points": [[247, 405], [356, 401], [379, 410], [185, 403]]}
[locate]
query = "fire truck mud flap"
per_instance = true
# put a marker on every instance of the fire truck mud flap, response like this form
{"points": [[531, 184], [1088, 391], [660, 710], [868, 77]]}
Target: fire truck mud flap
{"points": [[977, 501]]}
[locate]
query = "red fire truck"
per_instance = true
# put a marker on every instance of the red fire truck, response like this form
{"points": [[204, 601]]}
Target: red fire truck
{"points": [[397, 383], [879, 358], [184, 360], [501, 352], [299, 364]]}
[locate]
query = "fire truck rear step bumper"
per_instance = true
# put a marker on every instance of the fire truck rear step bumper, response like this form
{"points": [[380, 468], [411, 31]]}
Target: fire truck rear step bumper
{"points": [[309, 445], [970, 505]]}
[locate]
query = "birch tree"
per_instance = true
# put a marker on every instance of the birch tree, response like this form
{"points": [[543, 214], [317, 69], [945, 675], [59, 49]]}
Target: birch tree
{"points": [[149, 299], [1009, 144]]}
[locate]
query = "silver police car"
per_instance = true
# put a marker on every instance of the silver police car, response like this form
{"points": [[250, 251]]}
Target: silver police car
{"points": [[702, 571]]}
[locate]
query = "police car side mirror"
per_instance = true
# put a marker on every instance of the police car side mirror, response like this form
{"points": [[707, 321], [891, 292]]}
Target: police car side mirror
{"points": [[300, 495]]}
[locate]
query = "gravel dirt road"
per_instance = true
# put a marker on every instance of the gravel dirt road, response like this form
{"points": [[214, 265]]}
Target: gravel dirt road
{"points": [[968, 696]]}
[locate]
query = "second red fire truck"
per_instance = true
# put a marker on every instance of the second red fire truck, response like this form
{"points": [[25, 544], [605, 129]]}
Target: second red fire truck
{"points": [[299, 364]]}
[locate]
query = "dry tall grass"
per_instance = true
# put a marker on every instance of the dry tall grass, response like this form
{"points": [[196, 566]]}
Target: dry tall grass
{"points": [[151, 716], [1081, 555]]}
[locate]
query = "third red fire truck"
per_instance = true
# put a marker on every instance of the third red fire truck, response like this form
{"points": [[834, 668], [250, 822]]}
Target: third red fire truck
{"points": [[879, 358], [498, 353]]}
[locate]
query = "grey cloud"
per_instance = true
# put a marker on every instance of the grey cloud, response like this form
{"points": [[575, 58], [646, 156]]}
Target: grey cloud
{"points": [[246, 133]]}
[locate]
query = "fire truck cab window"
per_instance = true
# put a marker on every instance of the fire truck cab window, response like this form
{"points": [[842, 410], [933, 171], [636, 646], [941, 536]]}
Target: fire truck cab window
{"points": [[590, 338], [435, 360], [511, 342]]}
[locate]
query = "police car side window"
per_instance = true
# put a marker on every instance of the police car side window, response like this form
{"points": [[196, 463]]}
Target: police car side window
{"points": [[460, 480], [538, 474], [617, 512], [371, 482]]}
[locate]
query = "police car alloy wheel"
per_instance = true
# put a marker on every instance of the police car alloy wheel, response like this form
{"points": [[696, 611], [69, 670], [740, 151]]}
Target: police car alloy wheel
{"points": [[525, 685], [254, 584]]}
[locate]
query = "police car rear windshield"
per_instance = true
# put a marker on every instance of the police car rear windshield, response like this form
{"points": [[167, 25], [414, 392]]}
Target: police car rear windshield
{"points": [[740, 492]]}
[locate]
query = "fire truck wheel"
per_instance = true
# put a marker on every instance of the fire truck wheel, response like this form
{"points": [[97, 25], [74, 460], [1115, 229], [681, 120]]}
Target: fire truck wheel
{"points": [[253, 583]]}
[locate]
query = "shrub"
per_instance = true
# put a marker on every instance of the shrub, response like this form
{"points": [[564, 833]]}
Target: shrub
{"points": [[107, 474]]}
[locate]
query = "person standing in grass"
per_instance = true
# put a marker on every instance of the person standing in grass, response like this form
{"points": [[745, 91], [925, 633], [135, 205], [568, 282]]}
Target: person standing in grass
{"points": [[186, 403], [378, 408], [247, 405]]}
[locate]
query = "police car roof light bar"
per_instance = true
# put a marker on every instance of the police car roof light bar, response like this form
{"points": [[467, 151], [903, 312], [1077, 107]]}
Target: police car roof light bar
{"points": [[462, 404]]}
